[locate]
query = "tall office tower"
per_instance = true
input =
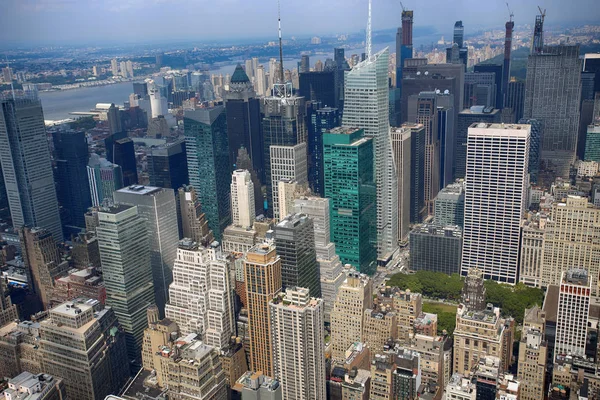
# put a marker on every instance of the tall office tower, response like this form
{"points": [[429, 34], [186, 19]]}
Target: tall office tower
{"points": [[592, 142], [81, 342], [515, 98], [114, 67], [208, 163], [573, 313], [200, 296], [295, 243], [450, 205], [298, 344], [127, 270], [466, 118], [552, 94], [71, 166], [506, 67], [480, 89], [157, 206], [406, 48], [284, 124], [341, 65], [242, 199], [458, 53], [104, 178], [286, 162], [8, 311], [243, 161], [401, 145], [42, 258], [459, 34], [122, 153], [167, 165], [260, 83], [496, 69], [304, 64], [366, 105], [426, 114], [290, 190], [571, 238], [322, 120], [353, 298], [417, 172], [262, 278], [537, 41], [318, 87], [533, 355], [350, 184], [535, 144], [114, 119], [25, 159], [192, 220], [330, 265], [243, 121], [248, 69], [497, 154], [123, 69], [436, 247]]}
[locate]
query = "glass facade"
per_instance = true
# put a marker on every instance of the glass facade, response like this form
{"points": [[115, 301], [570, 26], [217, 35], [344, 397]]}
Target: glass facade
{"points": [[167, 166], [435, 248], [350, 184], [592, 143], [208, 164], [321, 121]]}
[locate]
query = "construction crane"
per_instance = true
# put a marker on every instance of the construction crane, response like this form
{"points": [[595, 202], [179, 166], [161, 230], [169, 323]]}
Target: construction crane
{"points": [[542, 13], [402, 5], [510, 12]]}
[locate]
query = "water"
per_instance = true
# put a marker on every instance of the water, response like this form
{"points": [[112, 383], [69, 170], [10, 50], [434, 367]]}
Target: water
{"points": [[57, 105]]}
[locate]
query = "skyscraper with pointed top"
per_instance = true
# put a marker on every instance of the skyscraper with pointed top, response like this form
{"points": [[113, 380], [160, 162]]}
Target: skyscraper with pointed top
{"points": [[366, 105]]}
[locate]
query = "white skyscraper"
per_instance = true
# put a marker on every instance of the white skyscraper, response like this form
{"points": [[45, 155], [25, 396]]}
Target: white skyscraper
{"points": [[157, 206], [287, 162], [249, 70], [366, 105], [114, 67], [243, 212], [298, 344], [260, 81], [330, 266], [200, 297], [573, 311], [496, 195]]}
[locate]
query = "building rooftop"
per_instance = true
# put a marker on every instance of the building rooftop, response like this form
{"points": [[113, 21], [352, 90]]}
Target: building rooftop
{"points": [[74, 308], [140, 189], [115, 209], [27, 386], [478, 110], [575, 277], [434, 229]]}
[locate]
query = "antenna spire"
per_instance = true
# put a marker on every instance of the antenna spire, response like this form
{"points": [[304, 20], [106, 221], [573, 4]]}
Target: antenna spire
{"points": [[369, 33], [281, 77], [12, 88]]}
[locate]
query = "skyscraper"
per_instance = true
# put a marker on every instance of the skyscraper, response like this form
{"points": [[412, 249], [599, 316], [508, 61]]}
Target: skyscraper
{"points": [[71, 175], [354, 297], [417, 172], [497, 181], [287, 162], [295, 244], [104, 178], [573, 314], [243, 121], [349, 183], [366, 105], [200, 299], [167, 165], [341, 65], [243, 213], [401, 143], [122, 153], [435, 247], [127, 271], [81, 343], [26, 165], [322, 120], [318, 87], [192, 220], [533, 355], [299, 363], [157, 206], [552, 94], [262, 278], [515, 98], [208, 163], [243, 161], [450, 205]]}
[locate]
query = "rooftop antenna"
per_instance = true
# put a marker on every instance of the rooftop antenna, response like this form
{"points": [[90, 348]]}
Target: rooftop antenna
{"points": [[369, 33], [281, 79], [510, 12], [12, 88]]}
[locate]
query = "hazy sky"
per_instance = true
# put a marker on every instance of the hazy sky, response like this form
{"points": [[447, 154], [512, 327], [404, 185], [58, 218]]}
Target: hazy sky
{"points": [[99, 21]]}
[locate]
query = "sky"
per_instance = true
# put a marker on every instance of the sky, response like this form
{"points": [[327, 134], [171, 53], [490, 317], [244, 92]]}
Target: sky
{"points": [[145, 21]]}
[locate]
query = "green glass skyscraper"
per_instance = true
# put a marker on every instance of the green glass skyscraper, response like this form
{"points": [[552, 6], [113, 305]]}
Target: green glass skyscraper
{"points": [[208, 163], [350, 184]]}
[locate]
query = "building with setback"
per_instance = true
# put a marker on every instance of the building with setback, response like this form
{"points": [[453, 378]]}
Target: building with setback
{"points": [[350, 184], [497, 161], [208, 163], [26, 165], [127, 270], [286, 162]]}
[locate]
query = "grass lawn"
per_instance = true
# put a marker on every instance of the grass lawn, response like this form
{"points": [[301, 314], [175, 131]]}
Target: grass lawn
{"points": [[437, 308]]}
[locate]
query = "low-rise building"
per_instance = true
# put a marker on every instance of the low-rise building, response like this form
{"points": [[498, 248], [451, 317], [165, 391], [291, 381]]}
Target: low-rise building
{"points": [[28, 386]]}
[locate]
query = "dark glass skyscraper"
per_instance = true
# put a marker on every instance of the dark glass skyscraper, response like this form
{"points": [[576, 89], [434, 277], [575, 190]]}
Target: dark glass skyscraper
{"points": [[341, 65], [26, 165], [209, 168], [323, 120], [417, 173], [71, 158], [123, 154], [535, 142], [515, 98], [167, 165], [318, 86], [244, 121], [497, 69]]}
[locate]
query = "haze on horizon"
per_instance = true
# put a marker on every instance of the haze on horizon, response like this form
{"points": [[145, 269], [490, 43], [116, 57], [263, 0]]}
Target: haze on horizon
{"points": [[128, 21]]}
